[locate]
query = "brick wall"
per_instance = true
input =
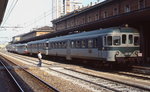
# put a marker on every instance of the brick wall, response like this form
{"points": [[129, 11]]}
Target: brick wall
{"points": [[108, 10]]}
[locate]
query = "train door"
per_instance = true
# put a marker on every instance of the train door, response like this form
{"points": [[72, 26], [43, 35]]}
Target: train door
{"points": [[100, 46], [68, 50], [46, 48]]}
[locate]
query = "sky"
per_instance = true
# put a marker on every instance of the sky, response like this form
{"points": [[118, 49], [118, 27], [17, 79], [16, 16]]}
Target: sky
{"points": [[26, 15]]}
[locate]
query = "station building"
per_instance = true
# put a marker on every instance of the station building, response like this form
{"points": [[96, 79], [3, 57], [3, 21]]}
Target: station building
{"points": [[110, 13], [36, 32]]}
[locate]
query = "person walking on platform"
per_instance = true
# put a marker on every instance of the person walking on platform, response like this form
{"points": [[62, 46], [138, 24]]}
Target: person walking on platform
{"points": [[40, 58]]}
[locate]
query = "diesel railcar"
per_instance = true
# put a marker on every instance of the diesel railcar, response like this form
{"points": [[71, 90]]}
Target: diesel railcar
{"points": [[111, 44], [116, 44]]}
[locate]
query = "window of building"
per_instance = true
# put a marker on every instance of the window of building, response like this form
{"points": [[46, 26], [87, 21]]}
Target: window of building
{"points": [[72, 23], [141, 4], [89, 19], [105, 14], [127, 8], [96, 17], [83, 20], [115, 11]]}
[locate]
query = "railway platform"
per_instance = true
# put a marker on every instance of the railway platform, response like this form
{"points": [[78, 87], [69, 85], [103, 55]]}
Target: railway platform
{"points": [[55, 74]]}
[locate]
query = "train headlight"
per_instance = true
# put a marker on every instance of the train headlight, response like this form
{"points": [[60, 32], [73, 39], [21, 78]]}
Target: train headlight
{"points": [[117, 53]]}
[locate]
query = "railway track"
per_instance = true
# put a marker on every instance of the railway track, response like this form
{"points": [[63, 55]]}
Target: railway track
{"points": [[96, 82], [38, 85], [104, 84], [141, 69], [11, 81]]}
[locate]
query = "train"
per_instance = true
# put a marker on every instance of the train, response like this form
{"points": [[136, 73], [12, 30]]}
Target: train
{"points": [[115, 44]]}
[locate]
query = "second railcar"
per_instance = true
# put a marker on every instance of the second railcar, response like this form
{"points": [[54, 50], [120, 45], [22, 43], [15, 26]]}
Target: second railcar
{"points": [[110, 44]]}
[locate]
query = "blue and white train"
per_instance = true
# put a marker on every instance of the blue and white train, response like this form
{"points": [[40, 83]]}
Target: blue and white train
{"points": [[116, 44]]}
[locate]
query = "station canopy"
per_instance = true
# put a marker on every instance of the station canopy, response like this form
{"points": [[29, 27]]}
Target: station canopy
{"points": [[3, 4]]}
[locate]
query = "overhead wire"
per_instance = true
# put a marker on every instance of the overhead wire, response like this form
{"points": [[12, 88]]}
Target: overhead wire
{"points": [[39, 18], [12, 6]]}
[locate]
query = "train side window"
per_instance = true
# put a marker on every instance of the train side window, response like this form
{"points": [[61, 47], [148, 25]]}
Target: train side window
{"points": [[105, 41], [90, 43], [136, 40], [58, 44], [109, 40], [72, 44], [83, 44], [130, 39], [46, 44], [116, 40], [77, 44], [49, 46], [61, 44], [124, 39], [52, 44], [64, 44], [95, 43]]}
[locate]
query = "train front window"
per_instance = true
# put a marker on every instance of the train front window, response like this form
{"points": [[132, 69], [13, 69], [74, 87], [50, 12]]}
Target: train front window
{"points": [[136, 40], [46, 44], [116, 40], [130, 39], [124, 39]]}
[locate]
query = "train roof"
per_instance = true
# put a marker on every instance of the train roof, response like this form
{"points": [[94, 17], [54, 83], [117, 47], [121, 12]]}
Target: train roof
{"points": [[39, 41], [97, 32], [21, 44]]}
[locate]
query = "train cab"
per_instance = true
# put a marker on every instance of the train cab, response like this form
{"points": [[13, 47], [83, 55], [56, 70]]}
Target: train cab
{"points": [[122, 44]]}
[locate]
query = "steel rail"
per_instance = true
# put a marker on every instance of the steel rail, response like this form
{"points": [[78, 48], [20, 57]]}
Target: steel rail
{"points": [[112, 89], [125, 83], [42, 81], [17, 84]]}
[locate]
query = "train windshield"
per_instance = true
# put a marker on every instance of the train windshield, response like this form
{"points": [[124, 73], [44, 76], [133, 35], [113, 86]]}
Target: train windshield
{"points": [[124, 39], [112, 40], [136, 40], [116, 40], [130, 39]]}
